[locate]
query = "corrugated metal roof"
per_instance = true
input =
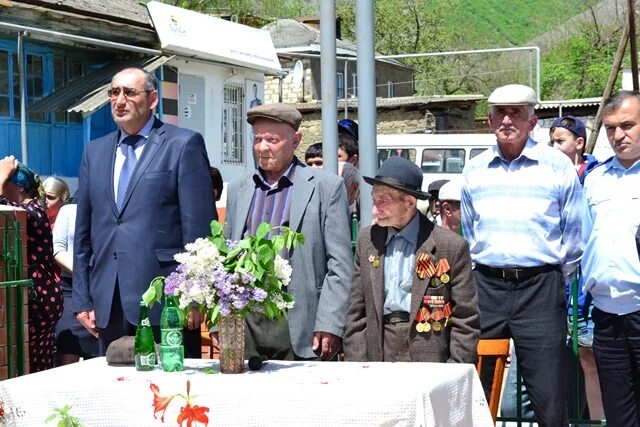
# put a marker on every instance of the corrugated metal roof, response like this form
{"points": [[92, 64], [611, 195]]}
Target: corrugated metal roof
{"points": [[88, 93], [578, 102], [397, 102]]}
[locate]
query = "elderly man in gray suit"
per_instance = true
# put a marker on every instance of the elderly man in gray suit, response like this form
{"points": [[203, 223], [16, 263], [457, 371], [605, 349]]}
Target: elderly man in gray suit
{"points": [[285, 192], [413, 298]]}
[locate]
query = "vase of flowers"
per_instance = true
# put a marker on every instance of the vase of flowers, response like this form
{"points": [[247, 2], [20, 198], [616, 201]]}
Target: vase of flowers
{"points": [[227, 280]]}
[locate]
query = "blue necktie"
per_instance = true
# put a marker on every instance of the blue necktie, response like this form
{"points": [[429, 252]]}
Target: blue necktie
{"points": [[128, 167]]}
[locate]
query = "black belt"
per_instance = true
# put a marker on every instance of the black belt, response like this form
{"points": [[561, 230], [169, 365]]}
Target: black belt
{"points": [[516, 273], [395, 317]]}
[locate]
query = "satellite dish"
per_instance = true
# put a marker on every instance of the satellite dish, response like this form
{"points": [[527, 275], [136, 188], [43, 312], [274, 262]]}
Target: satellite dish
{"points": [[297, 74]]}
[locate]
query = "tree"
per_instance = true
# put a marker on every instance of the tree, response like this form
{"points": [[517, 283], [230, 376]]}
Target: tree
{"points": [[267, 10]]}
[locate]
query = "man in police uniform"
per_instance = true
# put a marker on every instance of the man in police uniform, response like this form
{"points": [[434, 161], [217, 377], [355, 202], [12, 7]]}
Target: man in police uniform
{"points": [[413, 298]]}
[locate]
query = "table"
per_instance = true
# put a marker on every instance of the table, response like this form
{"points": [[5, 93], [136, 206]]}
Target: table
{"points": [[280, 394]]}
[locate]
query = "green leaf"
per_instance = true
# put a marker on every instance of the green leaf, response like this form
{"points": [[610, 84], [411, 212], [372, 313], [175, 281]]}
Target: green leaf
{"points": [[213, 318], [51, 417], [216, 229], [263, 229], [277, 243], [155, 291], [211, 371]]}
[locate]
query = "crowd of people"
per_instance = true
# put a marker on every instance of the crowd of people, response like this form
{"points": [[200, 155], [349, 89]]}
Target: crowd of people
{"points": [[493, 256]]}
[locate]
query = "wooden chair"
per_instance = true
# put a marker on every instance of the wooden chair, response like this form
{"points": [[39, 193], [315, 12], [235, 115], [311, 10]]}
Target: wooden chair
{"points": [[206, 342], [498, 349]]}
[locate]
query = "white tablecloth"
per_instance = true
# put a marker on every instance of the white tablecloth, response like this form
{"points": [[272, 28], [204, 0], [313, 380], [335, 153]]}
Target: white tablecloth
{"points": [[280, 394]]}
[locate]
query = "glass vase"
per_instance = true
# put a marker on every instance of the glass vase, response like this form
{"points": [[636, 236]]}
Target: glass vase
{"points": [[231, 343]]}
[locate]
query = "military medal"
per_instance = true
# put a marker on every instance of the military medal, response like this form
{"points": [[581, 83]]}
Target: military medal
{"points": [[435, 282], [424, 266], [445, 278], [426, 327], [437, 326]]}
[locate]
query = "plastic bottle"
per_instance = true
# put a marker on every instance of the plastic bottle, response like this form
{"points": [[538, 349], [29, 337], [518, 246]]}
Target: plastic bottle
{"points": [[171, 347], [145, 352]]}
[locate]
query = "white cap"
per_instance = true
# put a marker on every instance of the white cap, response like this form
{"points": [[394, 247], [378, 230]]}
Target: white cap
{"points": [[513, 95], [451, 190]]}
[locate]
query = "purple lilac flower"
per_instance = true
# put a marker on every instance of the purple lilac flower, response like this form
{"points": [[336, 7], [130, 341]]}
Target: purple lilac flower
{"points": [[173, 281], [232, 243]]}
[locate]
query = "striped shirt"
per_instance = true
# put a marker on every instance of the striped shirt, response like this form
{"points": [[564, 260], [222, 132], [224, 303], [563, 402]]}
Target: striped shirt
{"points": [[610, 264], [271, 204], [523, 213]]}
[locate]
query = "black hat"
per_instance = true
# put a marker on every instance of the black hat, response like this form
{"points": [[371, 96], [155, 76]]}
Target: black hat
{"points": [[401, 174], [436, 185]]}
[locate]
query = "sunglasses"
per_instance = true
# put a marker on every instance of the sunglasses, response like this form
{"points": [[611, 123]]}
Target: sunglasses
{"points": [[128, 92]]}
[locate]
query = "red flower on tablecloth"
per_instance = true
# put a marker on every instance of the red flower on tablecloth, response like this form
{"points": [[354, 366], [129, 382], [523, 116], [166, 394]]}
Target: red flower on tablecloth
{"points": [[189, 413], [193, 413], [160, 403]]}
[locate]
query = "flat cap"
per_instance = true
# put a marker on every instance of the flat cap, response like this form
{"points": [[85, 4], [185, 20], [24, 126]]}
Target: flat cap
{"points": [[282, 113], [451, 190], [513, 95]]}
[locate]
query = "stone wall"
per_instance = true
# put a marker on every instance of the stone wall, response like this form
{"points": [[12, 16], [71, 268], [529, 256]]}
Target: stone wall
{"points": [[395, 120]]}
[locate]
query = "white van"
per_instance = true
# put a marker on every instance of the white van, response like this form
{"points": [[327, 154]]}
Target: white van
{"points": [[440, 156]]}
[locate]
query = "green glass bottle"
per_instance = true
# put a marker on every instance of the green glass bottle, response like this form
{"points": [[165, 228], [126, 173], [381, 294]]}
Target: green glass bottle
{"points": [[171, 348], [145, 352]]}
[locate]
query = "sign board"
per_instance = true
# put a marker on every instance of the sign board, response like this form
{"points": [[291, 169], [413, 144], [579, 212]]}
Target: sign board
{"points": [[188, 33]]}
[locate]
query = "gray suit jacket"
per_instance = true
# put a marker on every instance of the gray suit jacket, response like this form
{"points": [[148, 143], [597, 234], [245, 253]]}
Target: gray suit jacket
{"points": [[322, 266], [364, 336]]}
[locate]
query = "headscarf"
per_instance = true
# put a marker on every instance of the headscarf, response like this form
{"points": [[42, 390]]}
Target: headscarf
{"points": [[26, 178]]}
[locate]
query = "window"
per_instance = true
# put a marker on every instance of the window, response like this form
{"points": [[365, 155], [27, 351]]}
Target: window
{"points": [[65, 70], [385, 153], [4, 84], [354, 85], [475, 151], [34, 84], [340, 85], [436, 160], [233, 124], [390, 93]]}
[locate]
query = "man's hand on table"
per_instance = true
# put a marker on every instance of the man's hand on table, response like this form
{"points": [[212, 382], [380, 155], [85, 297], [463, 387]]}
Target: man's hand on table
{"points": [[88, 319], [326, 345]]}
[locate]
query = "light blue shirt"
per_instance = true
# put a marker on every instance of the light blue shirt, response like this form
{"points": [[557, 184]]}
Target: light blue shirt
{"points": [[399, 262], [523, 213], [610, 263]]}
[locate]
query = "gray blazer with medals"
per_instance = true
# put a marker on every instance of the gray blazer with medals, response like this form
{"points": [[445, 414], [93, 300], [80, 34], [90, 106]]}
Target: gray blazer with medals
{"points": [[323, 265], [456, 343]]}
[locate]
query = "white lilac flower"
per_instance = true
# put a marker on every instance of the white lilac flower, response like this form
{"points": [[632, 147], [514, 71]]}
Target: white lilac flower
{"points": [[282, 269], [281, 303]]}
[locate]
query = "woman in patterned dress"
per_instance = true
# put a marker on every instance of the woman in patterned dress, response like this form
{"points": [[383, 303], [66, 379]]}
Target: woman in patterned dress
{"points": [[21, 187]]}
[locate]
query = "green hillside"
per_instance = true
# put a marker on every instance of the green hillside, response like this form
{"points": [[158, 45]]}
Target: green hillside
{"points": [[496, 23]]}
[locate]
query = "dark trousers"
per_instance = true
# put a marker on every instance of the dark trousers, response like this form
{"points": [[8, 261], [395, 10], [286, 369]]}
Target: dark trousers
{"points": [[616, 345], [533, 313], [119, 326]]}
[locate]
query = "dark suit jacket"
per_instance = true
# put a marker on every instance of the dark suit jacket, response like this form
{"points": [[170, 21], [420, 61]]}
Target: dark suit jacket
{"points": [[364, 336], [169, 203], [322, 266]]}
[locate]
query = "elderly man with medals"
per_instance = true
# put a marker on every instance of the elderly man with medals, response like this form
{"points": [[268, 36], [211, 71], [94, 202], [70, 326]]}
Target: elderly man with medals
{"points": [[413, 298]]}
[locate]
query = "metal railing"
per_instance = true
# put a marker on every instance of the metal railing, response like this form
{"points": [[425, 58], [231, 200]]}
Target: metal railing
{"points": [[13, 287]]}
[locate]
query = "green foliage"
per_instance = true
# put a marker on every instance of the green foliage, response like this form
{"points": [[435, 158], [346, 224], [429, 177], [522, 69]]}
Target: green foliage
{"points": [[154, 293], [265, 9], [494, 23], [64, 418], [578, 67]]}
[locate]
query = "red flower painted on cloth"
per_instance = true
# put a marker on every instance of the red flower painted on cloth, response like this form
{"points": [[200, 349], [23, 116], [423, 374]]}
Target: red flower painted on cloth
{"points": [[189, 413], [193, 413], [160, 403]]}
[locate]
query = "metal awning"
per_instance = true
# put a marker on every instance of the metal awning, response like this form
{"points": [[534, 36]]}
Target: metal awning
{"points": [[88, 93]]}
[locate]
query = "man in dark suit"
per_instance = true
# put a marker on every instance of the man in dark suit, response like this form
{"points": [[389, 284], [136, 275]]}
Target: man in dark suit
{"points": [[144, 191], [413, 298], [282, 191]]}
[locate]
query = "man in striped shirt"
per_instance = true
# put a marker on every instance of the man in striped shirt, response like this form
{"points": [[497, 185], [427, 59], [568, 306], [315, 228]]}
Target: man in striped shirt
{"points": [[521, 207]]}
